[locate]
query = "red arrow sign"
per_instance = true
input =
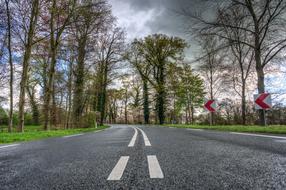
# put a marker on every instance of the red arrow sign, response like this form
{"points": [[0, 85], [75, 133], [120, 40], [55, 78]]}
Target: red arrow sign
{"points": [[263, 101], [210, 105]]}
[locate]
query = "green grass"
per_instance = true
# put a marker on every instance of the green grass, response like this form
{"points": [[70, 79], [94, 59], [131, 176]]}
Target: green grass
{"points": [[36, 132], [274, 129]]}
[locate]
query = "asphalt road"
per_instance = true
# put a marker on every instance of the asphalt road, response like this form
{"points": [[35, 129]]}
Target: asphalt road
{"points": [[124, 157]]}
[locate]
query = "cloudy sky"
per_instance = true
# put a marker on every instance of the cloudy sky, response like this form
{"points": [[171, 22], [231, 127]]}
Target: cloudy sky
{"points": [[143, 17]]}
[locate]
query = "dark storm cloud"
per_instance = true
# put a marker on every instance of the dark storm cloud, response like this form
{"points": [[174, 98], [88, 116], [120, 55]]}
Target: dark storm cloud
{"points": [[143, 17]]}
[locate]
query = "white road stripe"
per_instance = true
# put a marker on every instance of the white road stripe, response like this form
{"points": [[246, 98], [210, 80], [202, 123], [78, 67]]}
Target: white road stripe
{"points": [[257, 135], [132, 142], [146, 140], [194, 129], [98, 130], [11, 145], [280, 141], [154, 167], [119, 168], [72, 136]]}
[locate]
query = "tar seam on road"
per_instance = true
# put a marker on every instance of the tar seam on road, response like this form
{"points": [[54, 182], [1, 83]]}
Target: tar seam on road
{"points": [[256, 135], [132, 142], [146, 140], [154, 167], [119, 168], [11, 145], [72, 136]]}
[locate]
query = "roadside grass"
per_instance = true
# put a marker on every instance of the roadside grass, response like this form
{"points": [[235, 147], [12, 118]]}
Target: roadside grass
{"points": [[273, 129], [34, 132]]}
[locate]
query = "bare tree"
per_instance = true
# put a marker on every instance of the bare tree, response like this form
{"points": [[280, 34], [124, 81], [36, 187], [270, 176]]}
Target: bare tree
{"points": [[9, 46], [28, 43], [265, 25], [109, 49]]}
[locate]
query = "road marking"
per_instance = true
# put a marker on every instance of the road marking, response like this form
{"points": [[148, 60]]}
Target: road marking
{"points": [[280, 141], [154, 167], [257, 135], [195, 129], [132, 142], [97, 131], [72, 136], [146, 140], [119, 168], [172, 127], [11, 145]]}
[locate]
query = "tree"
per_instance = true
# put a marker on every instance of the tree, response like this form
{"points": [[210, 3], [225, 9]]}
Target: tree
{"points": [[212, 68], [243, 56], [264, 25], [59, 19], [91, 18], [190, 91], [29, 36], [9, 45], [136, 59], [109, 49], [158, 51]]}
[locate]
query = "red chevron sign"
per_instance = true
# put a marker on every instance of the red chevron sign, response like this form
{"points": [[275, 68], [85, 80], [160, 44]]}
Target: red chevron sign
{"points": [[262, 101], [210, 105]]}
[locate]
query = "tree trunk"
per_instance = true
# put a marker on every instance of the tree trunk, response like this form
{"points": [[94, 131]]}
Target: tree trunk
{"points": [[69, 99], [161, 96], [51, 71], [34, 106], [125, 107], [26, 62], [192, 108], [10, 126], [78, 100], [146, 102], [243, 103]]}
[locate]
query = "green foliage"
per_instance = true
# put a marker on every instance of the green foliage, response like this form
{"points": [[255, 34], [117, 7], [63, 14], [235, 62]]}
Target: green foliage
{"points": [[275, 129], [33, 132], [3, 117], [159, 51]]}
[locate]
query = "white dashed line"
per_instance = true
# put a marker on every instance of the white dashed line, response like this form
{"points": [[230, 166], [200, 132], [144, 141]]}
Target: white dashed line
{"points": [[195, 129], [146, 140], [7, 146], [132, 142], [72, 136], [98, 130], [119, 168], [154, 167], [257, 135]]}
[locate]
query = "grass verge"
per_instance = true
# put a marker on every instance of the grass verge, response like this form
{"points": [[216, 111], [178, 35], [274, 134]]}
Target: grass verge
{"points": [[273, 129], [37, 132]]}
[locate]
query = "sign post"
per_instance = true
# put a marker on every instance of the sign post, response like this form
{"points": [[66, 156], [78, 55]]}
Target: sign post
{"points": [[210, 105], [263, 102]]}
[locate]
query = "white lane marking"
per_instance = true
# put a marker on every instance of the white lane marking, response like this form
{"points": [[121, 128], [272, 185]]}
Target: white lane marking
{"points": [[132, 142], [72, 136], [146, 140], [172, 127], [195, 129], [257, 135], [119, 168], [280, 141], [98, 130], [11, 145], [154, 167]]}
